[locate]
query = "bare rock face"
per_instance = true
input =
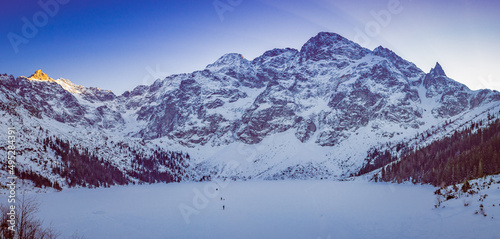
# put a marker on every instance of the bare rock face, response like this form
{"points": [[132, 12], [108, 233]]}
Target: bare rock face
{"points": [[305, 129]]}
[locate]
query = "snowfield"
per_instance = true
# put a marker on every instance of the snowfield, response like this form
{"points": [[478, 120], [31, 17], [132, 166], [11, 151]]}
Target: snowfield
{"points": [[268, 209]]}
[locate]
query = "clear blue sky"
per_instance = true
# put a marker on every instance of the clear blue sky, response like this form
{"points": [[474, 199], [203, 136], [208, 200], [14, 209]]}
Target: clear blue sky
{"points": [[118, 45]]}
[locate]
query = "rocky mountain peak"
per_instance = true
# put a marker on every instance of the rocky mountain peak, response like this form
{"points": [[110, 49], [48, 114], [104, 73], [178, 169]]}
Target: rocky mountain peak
{"points": [[327, 45], [384, 52], [437, 70], [328, 38], [228, 60], [39, 75]]}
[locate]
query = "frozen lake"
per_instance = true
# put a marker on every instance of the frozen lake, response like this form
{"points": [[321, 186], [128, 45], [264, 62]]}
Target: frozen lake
{"points": [[263, 209]]}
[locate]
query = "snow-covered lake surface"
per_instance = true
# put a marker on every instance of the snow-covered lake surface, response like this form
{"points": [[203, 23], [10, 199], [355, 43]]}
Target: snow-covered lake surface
{"points": [[267, 209]]}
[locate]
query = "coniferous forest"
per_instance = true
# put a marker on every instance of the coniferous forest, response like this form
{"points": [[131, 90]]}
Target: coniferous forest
{"points": [[159, 167], [469, 154], [81, 167]]}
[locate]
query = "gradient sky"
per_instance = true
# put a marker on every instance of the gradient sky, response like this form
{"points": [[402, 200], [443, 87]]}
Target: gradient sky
{"points": [[118, 45]]}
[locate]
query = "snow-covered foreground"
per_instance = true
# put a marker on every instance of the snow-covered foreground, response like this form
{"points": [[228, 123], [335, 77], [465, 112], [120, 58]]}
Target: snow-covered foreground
{"points": [[267, 209]]}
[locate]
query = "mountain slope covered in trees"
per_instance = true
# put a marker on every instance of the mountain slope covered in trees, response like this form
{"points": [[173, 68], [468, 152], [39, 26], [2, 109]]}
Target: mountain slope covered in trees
{"points": [[468, 154]]}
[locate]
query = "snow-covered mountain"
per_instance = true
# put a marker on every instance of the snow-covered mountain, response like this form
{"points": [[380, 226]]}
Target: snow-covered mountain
{"points": [[308, 113]]}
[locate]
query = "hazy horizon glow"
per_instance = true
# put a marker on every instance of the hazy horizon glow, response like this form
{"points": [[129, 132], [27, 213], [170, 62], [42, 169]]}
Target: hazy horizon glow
{"points": [[118, 45]]}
